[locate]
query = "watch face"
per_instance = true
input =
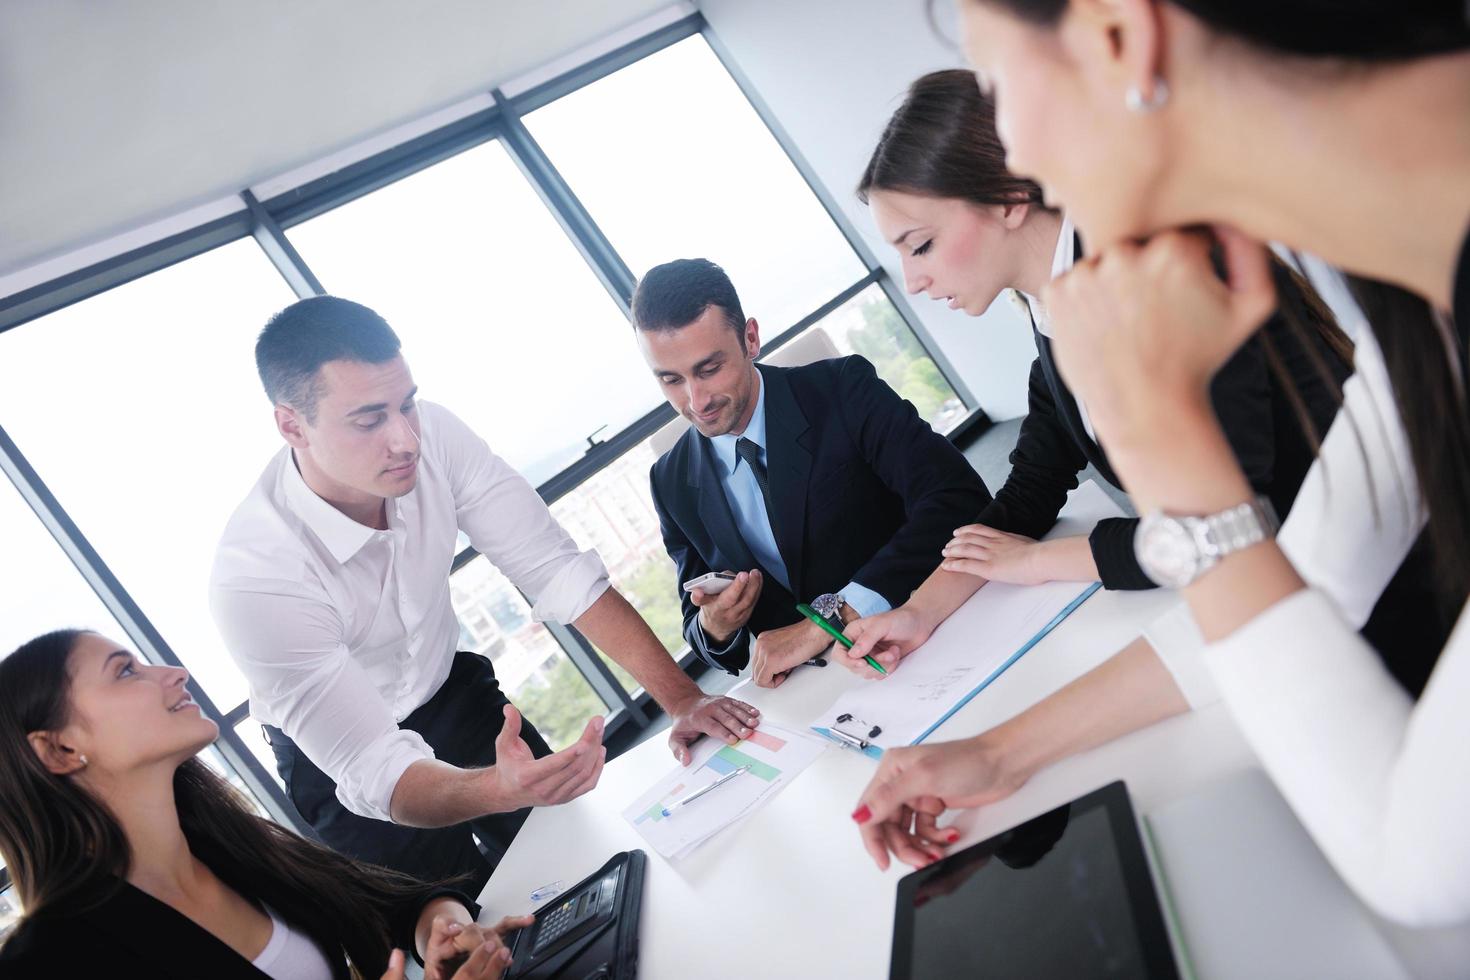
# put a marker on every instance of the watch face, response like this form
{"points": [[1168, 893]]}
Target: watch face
{"points": [[827, 604], [1167, 551]]}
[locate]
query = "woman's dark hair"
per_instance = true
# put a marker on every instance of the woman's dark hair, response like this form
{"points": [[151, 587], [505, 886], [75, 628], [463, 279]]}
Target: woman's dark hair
{"points": [[1353, 30], [68, 854], [942, 142], [1420, 354]]}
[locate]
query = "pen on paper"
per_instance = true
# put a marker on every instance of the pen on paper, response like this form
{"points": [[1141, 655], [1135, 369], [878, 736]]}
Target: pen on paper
{"points": [[703, 790]]}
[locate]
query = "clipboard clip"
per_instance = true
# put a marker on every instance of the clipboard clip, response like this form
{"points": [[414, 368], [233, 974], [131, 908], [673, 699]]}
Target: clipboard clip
{"points": [[861, 739]]}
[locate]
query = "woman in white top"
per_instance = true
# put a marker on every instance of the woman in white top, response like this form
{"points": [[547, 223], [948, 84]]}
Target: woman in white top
{"points": [[134, 858], [1299, 124]]}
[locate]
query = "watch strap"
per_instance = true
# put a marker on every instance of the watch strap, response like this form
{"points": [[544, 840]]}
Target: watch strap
{"points": [[1236, 529]]}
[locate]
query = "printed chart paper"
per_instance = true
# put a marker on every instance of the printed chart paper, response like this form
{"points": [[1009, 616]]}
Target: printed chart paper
{"points": [[775, 756]]}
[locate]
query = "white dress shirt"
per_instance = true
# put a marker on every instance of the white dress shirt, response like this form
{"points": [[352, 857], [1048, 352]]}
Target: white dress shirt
{"points": [[1379, 781], [342, 630]]}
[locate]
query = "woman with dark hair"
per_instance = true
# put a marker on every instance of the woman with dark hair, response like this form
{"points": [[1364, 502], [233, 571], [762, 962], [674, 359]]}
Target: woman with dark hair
{"points": [[1302, 123], [966, 229], [133, 858]]}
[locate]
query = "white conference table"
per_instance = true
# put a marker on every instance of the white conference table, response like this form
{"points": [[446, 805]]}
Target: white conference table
{"points": [[790, 892]]}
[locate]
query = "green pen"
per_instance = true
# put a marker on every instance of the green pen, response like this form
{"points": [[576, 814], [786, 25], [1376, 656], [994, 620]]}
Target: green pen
{"points": [[817, 618]]}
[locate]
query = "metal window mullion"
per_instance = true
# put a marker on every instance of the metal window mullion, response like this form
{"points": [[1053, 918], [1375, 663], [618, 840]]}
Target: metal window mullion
{"points": [[280, 251], [48, 297], [145, 637], [568, 210], [600, 67], [237, 714], [819, 314], [838, 216], [603, 681]]}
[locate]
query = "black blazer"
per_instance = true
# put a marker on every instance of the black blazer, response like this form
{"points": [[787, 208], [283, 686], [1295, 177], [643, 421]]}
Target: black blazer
{"points": [[864, 492], [133, 934], [1254, 411]]}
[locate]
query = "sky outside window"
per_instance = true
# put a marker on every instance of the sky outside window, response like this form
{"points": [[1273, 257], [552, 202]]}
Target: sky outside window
{"points": [[141, 410], [672, 162], [501, 320]]}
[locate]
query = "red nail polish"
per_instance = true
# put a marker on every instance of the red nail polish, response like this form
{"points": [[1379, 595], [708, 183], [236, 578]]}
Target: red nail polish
{"points": [[862, 814], [954, 835]]}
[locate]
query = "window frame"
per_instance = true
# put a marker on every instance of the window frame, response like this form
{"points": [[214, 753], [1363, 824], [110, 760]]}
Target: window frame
{"points": [[267, 220]]}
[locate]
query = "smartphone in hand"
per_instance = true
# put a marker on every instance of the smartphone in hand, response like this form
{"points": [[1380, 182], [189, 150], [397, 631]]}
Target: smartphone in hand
{"points": [[711, 583]]}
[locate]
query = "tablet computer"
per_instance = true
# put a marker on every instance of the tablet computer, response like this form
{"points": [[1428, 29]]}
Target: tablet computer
{"points": [[1067, 894]]}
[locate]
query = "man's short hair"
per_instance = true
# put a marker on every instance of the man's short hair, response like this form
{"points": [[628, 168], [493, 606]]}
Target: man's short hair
{"points": [[677, 293], [297, 341]]}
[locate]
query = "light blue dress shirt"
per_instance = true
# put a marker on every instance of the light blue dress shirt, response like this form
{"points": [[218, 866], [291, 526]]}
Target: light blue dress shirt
{"points": [[749, 509]]}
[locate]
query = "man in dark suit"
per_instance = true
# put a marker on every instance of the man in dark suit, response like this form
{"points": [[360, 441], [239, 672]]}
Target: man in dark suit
{"points": [[815, 484]]}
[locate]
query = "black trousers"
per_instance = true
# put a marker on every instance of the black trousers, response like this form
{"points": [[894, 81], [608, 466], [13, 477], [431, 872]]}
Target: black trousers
{"points": [[460, 722]]}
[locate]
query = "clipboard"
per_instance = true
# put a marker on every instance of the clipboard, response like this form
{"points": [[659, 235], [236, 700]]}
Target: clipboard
{"points": [[858, 730]]}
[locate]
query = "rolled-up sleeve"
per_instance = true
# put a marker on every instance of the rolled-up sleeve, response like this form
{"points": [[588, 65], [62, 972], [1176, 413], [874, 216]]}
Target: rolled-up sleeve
{"points": [[508, 522], [290, 649]]}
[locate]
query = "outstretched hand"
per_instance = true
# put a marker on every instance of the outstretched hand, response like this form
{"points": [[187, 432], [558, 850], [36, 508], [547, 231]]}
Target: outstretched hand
{"points": [[898, 811], [524, 780]]}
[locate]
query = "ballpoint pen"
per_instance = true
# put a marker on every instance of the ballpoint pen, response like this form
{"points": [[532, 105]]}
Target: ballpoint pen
{"points": [[835, 633], [703, 790]]}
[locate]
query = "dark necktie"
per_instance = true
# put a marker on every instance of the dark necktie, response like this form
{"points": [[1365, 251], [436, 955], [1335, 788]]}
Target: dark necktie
{"points": [[751, 453]]}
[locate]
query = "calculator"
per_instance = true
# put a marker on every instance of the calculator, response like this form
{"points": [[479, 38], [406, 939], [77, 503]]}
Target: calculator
{"points": [[591, 931]]}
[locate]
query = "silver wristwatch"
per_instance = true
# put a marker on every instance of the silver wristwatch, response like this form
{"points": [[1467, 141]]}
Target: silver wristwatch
{"points": [[1174, 550], [829, 607]]}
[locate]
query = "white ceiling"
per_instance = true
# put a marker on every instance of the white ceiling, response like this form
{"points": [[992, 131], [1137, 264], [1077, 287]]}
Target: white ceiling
{"points": [[117, 113]]}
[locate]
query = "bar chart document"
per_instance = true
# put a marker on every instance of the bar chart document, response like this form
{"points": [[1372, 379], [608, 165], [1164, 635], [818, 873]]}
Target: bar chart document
{"points": [[774, 756], [967, 651]]}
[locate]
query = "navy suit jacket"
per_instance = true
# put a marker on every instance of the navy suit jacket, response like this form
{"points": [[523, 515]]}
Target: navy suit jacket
{"points": [[864, 491]]}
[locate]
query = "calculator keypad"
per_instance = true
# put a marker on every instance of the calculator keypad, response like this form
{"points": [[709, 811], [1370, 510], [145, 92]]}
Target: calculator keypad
{"points": [[551, 925]]}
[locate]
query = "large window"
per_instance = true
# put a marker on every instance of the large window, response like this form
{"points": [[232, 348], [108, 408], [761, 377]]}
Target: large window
{"points": [[868, 324], [613, 513], [530, 665], [499, 248], [673, 162], [501, 320], [41, 589], [142, 411]]}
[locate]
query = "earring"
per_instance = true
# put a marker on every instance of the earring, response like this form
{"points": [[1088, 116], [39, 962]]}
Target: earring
{"points": [[82, 759], [1135, 101]]}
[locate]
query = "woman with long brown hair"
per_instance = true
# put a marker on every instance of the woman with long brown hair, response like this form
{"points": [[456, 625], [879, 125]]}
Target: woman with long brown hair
{"points": [[967, 229], [1302, 123], [132, 857]]}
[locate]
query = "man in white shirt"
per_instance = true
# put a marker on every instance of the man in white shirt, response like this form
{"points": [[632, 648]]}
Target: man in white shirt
{"points": [[331, 590]]}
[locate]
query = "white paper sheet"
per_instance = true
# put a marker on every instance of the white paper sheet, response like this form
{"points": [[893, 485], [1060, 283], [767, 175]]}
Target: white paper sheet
{"points": [[776, 756], [969, 649]]}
